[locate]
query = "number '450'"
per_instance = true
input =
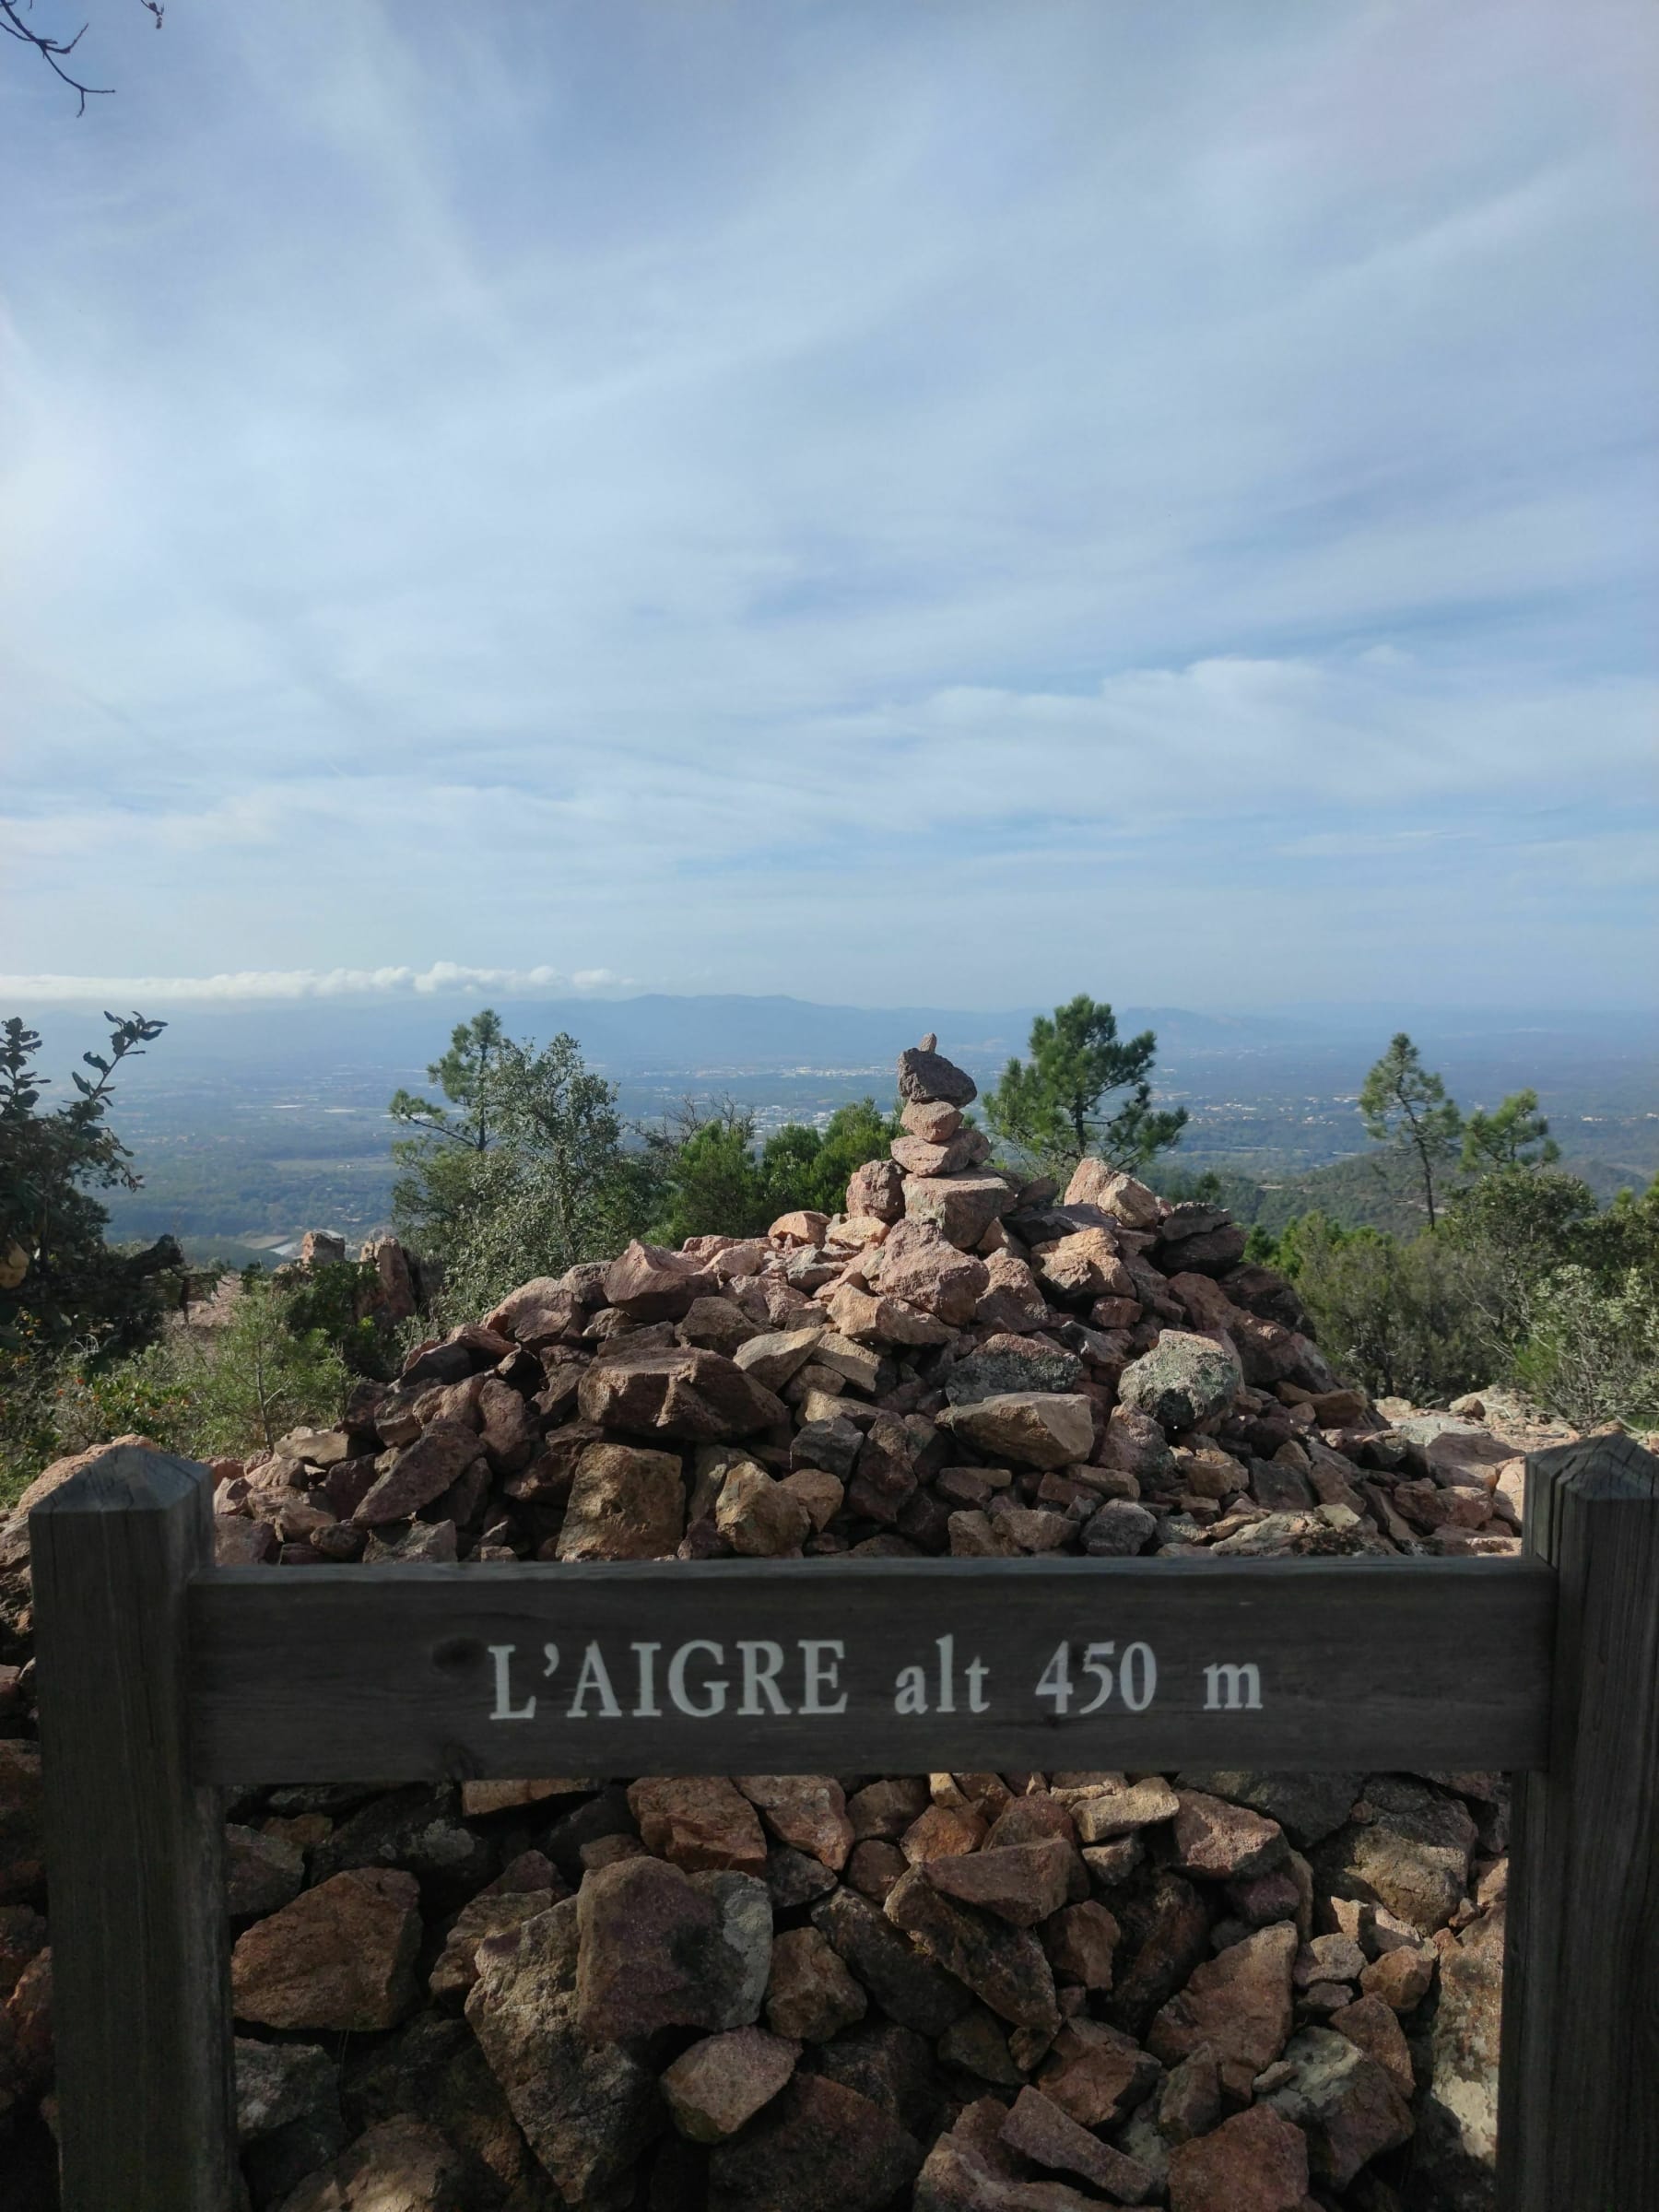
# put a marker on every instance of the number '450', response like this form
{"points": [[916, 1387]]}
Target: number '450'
{"points": [[1136, 1678]]}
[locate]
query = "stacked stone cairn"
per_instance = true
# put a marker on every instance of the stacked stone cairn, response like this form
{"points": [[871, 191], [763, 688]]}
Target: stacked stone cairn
{"points": [[965, 1993]]}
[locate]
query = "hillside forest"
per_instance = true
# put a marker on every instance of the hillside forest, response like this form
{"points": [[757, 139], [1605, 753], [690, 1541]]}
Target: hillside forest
{"points": [[516, 1161]]}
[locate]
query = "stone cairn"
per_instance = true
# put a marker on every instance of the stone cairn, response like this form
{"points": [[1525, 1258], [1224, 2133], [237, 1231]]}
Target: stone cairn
{"points": [[965, 1993]]}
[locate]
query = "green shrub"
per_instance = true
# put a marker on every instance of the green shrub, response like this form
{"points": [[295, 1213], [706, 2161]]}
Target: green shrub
{"points": [[1394, 1313]]}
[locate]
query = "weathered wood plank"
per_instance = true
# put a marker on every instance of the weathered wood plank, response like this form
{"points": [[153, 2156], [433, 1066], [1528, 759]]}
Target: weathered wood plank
{"points": [[335, 1673], [1578, 2102], [141, 1995]]}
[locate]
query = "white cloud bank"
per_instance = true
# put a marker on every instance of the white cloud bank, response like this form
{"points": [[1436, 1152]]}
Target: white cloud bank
{"points": [[252, 985]]}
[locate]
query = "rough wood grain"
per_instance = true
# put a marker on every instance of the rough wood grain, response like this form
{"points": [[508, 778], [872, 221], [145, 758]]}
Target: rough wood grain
{"points": [[141, 1999], [1578, 2102], [302, 1675]]}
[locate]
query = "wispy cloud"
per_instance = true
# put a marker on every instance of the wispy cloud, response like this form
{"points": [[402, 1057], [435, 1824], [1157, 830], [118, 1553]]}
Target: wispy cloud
{"points": [[690, 490]]}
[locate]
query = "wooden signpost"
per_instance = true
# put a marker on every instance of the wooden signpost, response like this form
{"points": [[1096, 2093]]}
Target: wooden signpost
{"points": [[164, 1678]]}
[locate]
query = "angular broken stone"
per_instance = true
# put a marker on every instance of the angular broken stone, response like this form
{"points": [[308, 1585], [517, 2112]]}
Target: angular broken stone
{"points": [[1402, 1978], [780, 1353], [1083, 1266], [1119, 1809], [456, 1968], [926, 1077], [758, 1517], [1189, 2099], [420, 1472], [1307, 1807], [961, 1207], [819, 2146], [886, 1808], [1223, 1842], [810, 1996], [941, 1832], [699, 1820], [717, 2086], [677, 1390], [920, 1155], [1373, 2025], [261, 1872], [1021, 1883], [1081, 1940], [1096, 2073], [925, 1267], [808, 1811], [1458, 2136], [909, 1987], [1407, 1847], [934, 1122], [626, 1503], [1035, 1428], [717, 1324], [1041, 2131], [401, 2165], [1003, 1965], [1254, 2162], [1095, 1183], [877, 1190], [1239, 2004], [648, 1283], [1011, 1299], [1344, 2102], [1006, 1363], [340, 1956], [1119, 1530], [586, 2106], [657, 1950], [821, 1493]]}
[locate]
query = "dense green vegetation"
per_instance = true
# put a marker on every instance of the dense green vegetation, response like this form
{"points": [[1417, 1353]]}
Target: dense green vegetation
{"points": [[1513, 1274]]}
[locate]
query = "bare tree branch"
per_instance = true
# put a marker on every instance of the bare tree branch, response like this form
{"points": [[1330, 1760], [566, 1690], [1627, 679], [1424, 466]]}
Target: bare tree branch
{"points": [[54, 52]]}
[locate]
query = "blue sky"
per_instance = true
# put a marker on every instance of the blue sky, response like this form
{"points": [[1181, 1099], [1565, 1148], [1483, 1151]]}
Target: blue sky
{"points": [[970, 502]]}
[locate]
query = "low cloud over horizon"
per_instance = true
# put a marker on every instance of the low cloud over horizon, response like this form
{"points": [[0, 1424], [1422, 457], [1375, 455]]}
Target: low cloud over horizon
{"points": [[876, 505]]}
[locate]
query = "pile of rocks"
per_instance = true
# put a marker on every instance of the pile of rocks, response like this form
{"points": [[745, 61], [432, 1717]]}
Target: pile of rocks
{"points": [[973, 1993]]}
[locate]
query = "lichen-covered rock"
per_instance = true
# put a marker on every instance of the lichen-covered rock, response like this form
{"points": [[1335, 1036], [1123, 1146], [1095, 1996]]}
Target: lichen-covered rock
{"points": [[1344, 2102], [1407, 1847], [1183, 1381], [1458, 2136]]}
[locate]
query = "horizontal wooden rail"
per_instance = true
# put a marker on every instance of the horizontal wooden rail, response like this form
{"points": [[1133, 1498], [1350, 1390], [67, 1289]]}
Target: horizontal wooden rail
{"points": [[337, 1673]]}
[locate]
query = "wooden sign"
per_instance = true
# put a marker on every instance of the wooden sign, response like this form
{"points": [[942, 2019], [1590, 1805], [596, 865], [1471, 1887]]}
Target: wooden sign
{"points": [[827, 1666], [163, 1677]]}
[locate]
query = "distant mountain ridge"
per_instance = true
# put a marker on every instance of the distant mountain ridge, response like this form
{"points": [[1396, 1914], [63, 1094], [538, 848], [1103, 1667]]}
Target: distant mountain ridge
{"points": [[658, 1030]]}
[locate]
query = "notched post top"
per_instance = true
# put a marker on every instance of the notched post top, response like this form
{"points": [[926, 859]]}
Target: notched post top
{"points": [[1601, 1469]]}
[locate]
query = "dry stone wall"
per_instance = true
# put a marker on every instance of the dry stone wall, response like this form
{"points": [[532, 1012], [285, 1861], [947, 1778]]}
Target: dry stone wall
{"points": [[968, 1993]]}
